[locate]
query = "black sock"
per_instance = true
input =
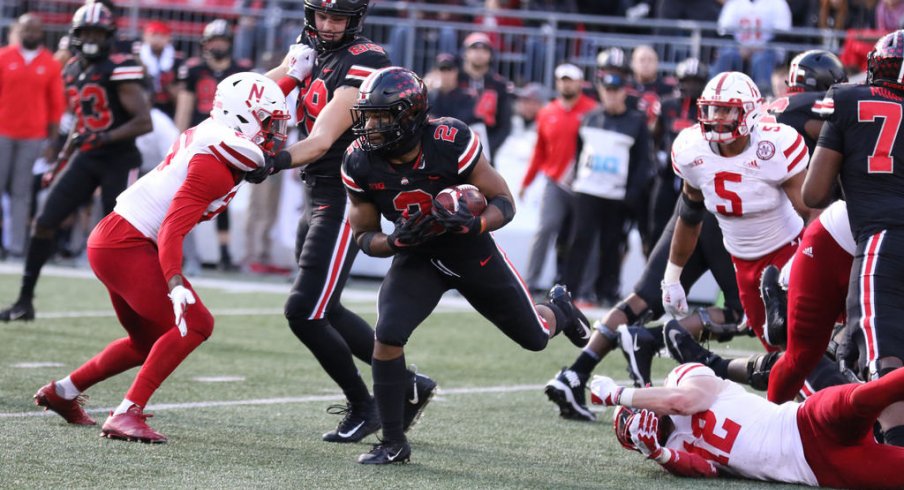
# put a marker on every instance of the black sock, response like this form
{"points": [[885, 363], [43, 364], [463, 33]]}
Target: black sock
{"points": [[895, 436], [39, 251], [585, 364], [718, 365], [357, 333], [561, 320], [224, 254], [657, 334], [334, 356], [391, 381]]}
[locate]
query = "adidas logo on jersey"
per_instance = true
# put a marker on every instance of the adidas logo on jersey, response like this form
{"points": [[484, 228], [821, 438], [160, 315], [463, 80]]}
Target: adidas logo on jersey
{"points": [[808, 252]]}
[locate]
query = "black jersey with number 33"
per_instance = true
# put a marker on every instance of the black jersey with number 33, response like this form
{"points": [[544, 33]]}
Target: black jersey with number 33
{"points": [[348, 66], [865, 125], [91, 92], [449, 153]]}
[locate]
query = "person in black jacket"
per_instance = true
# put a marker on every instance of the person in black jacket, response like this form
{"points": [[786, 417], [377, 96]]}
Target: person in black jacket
{"points": [[493, 105]]}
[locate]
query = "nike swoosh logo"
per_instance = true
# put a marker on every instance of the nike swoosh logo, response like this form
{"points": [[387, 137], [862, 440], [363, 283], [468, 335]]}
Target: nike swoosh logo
{"points": [[484, 261], [326, 70], [433, 177], [321, 208], [396, 455], [673, 337], [16, 315], [636, 347], [349, 433], [414, 399], [586, 329]]}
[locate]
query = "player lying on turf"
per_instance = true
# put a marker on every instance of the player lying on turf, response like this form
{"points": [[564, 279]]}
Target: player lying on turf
{"points": [[699, 425], [400, 162], [136, 252]]}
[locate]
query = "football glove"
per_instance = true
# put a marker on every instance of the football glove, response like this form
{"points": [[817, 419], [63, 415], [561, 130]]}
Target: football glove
{"points": [[461, 221], [300, 61], [272, 164], [411, 231], [604, 391], [644, 430], [674, 299], [181, 298], [89, 140]]}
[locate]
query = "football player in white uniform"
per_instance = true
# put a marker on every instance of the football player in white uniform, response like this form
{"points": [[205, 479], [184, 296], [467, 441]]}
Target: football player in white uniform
{"points": [[749, 175], [136, 251], [699, 425]]}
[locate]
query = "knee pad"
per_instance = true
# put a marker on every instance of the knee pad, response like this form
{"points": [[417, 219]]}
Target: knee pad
{"points": [[303, 329], [633, 318], [881, 367], [298, 307], [721, 332], [200, 322], [387, 336]]}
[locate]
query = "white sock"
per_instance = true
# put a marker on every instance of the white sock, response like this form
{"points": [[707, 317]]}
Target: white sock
{"points": [[123, 407], [65, 389]]}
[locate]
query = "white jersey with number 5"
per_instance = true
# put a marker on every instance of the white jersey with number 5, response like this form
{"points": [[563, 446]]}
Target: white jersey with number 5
{"points": [[745, 191], [146, 202], [742, 433]]}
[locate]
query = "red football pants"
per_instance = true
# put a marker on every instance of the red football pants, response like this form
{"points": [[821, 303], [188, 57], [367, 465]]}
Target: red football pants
{"points": [[836, 429], [748, 274], [127, 264], [816, 298]]}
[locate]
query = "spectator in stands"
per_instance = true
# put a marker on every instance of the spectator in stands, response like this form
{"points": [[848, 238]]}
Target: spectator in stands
{"points": [[889, 15], [491, 91], [199, 79], [753, 24], [554, 157], [31, 84], [445, 38], [446, 98], [832, 14], [613, 167], [535, 45], [161, 62]]}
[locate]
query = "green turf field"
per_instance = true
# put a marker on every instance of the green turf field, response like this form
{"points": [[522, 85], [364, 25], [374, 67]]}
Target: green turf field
{"points": [[492, 427]]}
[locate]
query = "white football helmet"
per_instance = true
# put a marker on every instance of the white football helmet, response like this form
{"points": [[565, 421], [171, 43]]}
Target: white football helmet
{"points": [[254, 106], [729, 107]]}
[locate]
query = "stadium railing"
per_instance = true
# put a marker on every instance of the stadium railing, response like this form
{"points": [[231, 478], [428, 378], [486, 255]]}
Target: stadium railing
{"points": [[527, 47]]}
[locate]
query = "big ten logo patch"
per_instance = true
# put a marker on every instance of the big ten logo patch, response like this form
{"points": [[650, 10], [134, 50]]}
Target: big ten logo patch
{"points": [[604, 164]]}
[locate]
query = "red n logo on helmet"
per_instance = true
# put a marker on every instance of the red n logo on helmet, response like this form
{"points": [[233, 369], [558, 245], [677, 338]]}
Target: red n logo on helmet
{"points": [[256, 93]]}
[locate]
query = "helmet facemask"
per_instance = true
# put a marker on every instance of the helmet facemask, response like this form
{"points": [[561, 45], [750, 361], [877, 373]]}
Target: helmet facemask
{"points": [[389, 130], [273, 130], [621, 420], [354, 16]]}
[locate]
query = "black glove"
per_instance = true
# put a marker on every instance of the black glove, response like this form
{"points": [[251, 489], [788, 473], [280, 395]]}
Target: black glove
{"points": [[89, 140], [461, 221], [411, 231], [272, 165]]}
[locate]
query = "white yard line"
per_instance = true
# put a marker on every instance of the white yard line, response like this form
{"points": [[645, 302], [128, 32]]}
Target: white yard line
{"points": [[474, 390]]}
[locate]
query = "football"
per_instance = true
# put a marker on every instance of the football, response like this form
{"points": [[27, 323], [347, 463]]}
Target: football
{"points": [[472, 197]]}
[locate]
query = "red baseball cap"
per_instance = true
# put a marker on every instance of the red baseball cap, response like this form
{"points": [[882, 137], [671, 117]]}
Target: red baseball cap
{"points": [[157, 27]]}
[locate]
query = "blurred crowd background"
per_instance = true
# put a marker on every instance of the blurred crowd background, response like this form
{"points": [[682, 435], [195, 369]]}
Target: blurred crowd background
{"points": [[522, 43]]}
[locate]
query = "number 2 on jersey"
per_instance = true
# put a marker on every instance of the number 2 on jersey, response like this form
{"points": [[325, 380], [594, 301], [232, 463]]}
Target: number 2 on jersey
{"points": [[735, 208], [880, 161]]}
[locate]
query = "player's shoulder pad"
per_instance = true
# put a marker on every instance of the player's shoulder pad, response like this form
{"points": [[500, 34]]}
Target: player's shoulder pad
{"points": [[366, 57], [839, 93], [124, 68], [787, 141], [355, 164], [464, 142], [687, 371], [228, 146], [684, 146]]}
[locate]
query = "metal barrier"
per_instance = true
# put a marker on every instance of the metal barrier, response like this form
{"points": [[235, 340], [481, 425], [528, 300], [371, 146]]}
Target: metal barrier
{"points": [[413, 35]]}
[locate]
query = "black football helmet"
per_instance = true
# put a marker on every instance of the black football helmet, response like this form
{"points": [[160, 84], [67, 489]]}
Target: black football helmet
{"points": [[390, 111], [93, 15], [217, 28], [613, 59], [815, 71], [355, 10], [692, 75], [883, 64]]}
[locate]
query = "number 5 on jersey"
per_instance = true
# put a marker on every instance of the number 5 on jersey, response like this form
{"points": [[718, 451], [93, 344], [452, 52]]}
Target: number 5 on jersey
{"points": [[734, 207]]}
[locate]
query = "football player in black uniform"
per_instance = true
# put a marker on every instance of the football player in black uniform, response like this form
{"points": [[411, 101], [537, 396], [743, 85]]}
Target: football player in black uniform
{"points": [[810, 74], [198, 79], [861, 142], [106, 93], [396, 167], [324, 247]]}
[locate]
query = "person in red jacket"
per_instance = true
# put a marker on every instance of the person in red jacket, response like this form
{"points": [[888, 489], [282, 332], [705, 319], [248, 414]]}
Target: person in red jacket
{"points": [[31, 82], [554, 155]]}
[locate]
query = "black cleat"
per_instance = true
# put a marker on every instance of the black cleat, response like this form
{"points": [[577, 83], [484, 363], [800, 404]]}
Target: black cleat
{"points": [[639, 346], [358, 423], [776, 300], [682, 346], [418, 396], [21, 310], [567, 391], [387, 452], [576, 328]]}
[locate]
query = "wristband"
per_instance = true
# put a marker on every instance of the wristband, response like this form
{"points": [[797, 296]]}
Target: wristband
{"points": [[664, 456], [672, 273], [625, 396]]}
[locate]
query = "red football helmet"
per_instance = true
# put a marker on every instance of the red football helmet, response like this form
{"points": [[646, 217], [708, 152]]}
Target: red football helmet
{"points": [[620, 423]]}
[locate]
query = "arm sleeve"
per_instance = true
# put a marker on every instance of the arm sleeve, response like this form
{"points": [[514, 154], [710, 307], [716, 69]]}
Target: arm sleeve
{"points": [[683, 463], [208, 180]]}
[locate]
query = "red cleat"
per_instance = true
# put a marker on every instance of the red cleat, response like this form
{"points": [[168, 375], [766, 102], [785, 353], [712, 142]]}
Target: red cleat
{"points": [[71, 410], [130, 426]]}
